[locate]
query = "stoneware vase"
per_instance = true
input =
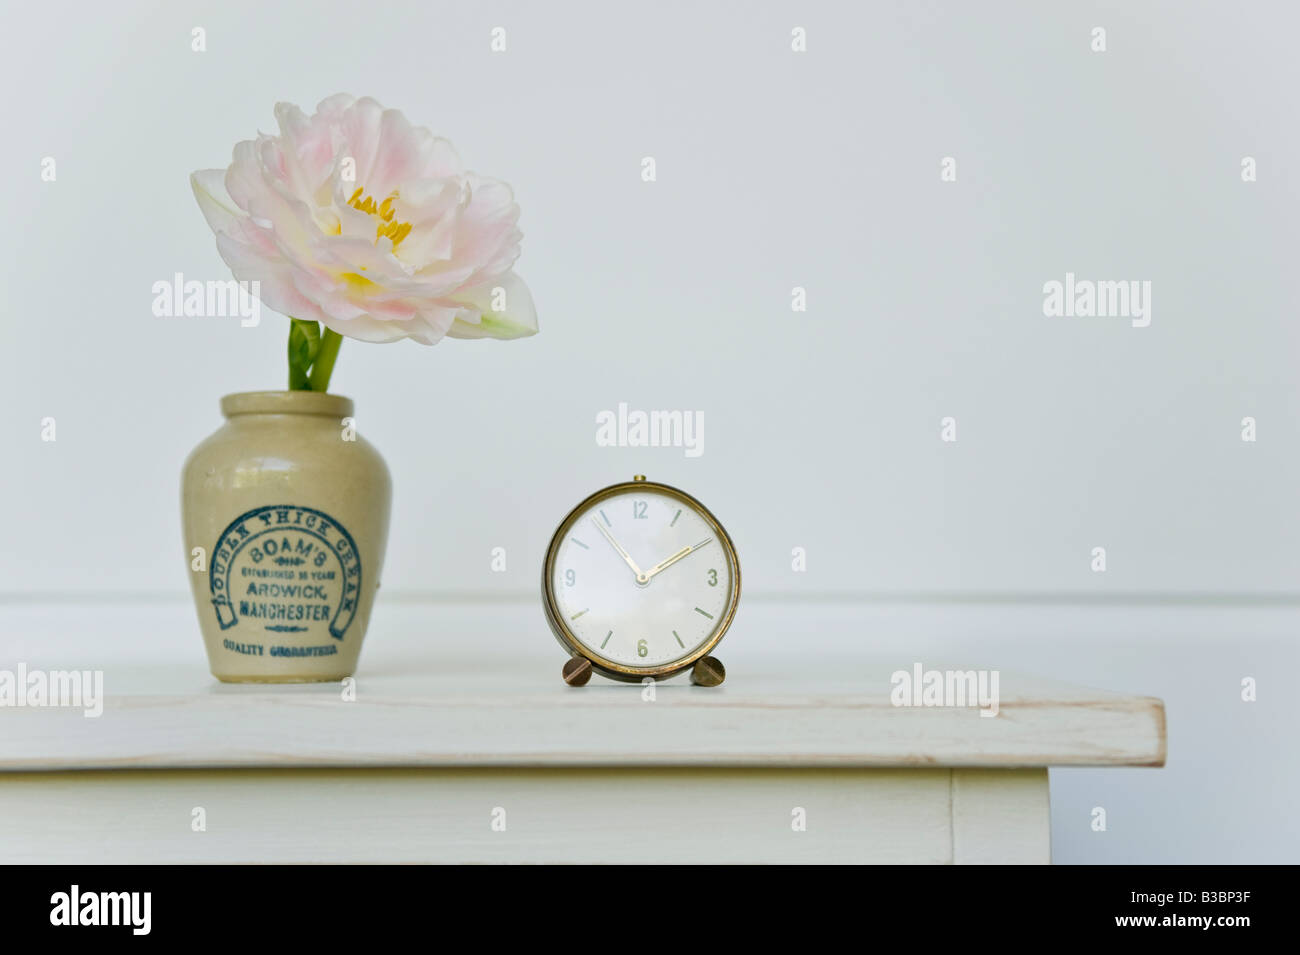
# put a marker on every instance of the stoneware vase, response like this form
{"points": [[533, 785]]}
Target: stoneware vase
{"points": [[290, 507]]}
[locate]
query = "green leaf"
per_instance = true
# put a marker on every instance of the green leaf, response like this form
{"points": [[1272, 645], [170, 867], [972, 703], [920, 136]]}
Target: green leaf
{"points": [[304, 344]]}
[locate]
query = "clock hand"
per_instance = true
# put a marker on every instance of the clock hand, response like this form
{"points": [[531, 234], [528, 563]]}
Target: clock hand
{"points": [[665, 564], [641, 576]]}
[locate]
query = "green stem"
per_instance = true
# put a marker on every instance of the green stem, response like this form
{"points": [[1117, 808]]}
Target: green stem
{"points": [[323, 367]]}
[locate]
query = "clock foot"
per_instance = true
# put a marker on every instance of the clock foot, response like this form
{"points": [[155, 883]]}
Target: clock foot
{"points": [[577, 671], [708, 671]]}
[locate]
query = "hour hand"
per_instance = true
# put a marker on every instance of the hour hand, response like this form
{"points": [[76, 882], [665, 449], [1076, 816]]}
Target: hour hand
{"points": [[684, 552], [641, 577]]}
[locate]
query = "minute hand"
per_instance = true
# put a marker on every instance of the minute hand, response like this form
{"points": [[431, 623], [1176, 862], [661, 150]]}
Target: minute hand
{"points": [[641, 577], [664, 564]]}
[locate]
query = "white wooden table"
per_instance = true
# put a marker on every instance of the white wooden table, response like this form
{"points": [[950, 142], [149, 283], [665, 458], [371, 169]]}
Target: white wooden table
{"points": [[483, 755]]}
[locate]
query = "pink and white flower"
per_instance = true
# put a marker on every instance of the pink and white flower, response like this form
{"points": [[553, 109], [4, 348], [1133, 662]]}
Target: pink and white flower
{"points": [[354, 218]]}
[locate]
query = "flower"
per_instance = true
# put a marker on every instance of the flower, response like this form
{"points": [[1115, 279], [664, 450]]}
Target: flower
{"points": [[354, 218]]}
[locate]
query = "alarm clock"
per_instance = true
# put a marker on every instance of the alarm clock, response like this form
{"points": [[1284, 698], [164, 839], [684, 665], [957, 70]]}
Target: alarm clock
{"points": [[640, 580]]}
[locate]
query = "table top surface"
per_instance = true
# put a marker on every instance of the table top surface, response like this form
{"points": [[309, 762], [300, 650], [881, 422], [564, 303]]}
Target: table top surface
{"points": [[424, 696]]}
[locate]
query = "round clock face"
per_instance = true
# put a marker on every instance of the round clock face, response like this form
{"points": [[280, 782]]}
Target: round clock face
{"points": [[642, 578]]}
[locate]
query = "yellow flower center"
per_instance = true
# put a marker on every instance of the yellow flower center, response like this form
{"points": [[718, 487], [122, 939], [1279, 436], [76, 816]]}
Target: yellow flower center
{"points": [[397, 231]]}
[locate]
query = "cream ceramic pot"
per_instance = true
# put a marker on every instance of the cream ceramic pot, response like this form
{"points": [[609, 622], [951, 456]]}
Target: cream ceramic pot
{"points": [[290, 507]]}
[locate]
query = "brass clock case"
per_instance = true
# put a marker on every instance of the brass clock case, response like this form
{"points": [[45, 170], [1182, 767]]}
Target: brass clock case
{"points": [[609, 668]]}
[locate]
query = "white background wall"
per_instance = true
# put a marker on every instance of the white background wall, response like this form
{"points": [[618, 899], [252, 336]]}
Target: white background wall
{"points": [[775, 170]]}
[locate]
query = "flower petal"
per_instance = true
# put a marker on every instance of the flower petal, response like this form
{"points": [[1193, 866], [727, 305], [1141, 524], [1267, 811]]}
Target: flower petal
{"points": [[517, 318], [218, 208]]}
